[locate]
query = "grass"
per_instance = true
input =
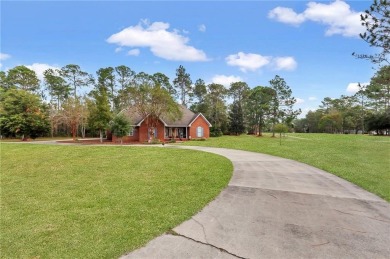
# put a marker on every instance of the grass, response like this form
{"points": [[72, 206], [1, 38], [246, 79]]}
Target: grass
{"points": [[362, 160], [32, 140], [99, 202]]}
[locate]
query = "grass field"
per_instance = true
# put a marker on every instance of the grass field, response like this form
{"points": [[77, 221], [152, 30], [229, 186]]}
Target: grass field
{"points": [[363, 160], [99, 202]]}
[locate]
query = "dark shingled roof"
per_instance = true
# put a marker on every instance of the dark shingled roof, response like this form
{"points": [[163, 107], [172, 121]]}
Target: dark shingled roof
{"points": [[184, 121]]}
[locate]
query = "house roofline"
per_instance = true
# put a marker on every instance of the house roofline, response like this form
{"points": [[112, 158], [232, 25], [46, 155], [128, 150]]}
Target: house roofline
{"points": [[200, 114], [139, 123]]}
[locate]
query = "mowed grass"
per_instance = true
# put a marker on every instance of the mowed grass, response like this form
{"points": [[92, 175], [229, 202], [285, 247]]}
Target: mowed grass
{"points": [[99, 202], [362, 160]]}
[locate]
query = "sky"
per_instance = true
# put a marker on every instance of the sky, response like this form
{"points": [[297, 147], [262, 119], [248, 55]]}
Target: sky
{"points": [[308, 43]]}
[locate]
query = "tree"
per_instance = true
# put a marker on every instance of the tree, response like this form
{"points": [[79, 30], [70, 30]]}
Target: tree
{"points": [[163, 81], [258, 108], [124, 76], [379, 88], [281, 128], [3, 81], [99, 110], [236, 118], [200, 92], [75, 77], [376, 21], [22, 114], [72, 110], [23, 78], [151, 101], [239, 92], [331, 123], [183, 84], [120, 126], [56, 85], [106, 79], [216, 114], [282, 103]]}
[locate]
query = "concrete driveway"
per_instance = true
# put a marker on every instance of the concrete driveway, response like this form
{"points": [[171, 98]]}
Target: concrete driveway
{"points": [[279, 208]]}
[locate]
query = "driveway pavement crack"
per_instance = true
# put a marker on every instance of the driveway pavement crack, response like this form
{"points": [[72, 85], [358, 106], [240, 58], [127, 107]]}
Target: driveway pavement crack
{"points": [[204, 232], [171, 232]]}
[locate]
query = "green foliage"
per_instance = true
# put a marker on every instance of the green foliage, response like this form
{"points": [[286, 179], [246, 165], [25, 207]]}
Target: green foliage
{"points": [[99, 110], [258, 108], [22, 114], [56, 85], [183, 84], [376, 21], [281, 128], [282, 102], [75, 77], [236, 119], [99, 202], [23, 78], [120, 126], [215, 100], [152, 101], [215, 132]]}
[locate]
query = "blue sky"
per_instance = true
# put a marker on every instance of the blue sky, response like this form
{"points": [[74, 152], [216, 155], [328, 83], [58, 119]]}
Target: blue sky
{"points": [[309, 44]]}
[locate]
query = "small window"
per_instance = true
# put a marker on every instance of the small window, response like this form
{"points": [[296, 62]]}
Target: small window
{"points": [[199, 132], [131, 132]]}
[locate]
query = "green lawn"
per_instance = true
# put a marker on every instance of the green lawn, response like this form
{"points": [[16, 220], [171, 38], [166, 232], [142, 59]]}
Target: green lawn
{"points": [[99, 202], [363, 160]]}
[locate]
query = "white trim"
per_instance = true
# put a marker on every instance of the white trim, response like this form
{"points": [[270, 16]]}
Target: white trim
{"points": [[139, 123], [200, 114]]}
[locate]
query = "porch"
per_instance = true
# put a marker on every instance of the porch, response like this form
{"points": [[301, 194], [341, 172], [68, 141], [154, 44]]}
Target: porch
{"points": [[176, 133]]}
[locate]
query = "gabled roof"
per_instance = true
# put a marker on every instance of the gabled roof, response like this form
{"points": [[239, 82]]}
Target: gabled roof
{"points": [[200, 115], [188, 117]]}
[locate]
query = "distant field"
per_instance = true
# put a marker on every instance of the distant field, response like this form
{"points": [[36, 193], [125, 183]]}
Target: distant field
{"points": [[363, 160], [99, 202]]}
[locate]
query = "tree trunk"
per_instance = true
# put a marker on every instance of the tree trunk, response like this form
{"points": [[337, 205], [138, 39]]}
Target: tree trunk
{"points": [[101, 136], [74, 128]]}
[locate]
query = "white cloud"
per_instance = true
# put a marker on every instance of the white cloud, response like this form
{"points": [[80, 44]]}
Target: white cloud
{"points": [[337, 16], [286, 15], [312, 98], [119, 49], [170, 45], [1, 65], [225, 80], [252, 62], [202, 28], [133, 52], [299, 101], [284, 63], [39, 68], [4, 56], [247, 61], [353, 88]]}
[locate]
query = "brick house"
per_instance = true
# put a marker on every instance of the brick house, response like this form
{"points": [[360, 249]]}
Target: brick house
{"points": [[189, 126]]}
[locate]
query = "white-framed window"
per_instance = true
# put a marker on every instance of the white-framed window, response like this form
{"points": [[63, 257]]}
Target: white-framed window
{"points": [[199, 132], [131, 132]]}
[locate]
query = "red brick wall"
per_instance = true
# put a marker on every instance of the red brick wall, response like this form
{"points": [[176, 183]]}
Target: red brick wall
{"points": [[199, 122], [133, 138], [143, 131]]}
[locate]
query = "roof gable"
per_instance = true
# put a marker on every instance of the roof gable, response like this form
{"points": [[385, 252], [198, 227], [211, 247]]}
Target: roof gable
{"points": [[188, 117], [202, 116]]}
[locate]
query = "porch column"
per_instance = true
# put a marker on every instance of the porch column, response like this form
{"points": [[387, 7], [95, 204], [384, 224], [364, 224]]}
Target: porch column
{"points": [[186, 133]]}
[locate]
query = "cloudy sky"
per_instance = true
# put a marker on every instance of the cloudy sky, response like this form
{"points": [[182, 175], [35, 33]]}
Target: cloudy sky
{"points": [[309, 44]]}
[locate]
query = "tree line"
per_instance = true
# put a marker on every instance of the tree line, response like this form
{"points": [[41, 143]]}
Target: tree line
{"points": [[366, 111], [60, 106]]}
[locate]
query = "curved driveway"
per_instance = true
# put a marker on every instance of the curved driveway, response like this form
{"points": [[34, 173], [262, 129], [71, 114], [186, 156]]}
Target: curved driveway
{"points": [[279, 208]]}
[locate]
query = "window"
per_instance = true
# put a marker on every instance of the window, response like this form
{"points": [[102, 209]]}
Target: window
{"points": [[199, 132], [131, 132]]}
